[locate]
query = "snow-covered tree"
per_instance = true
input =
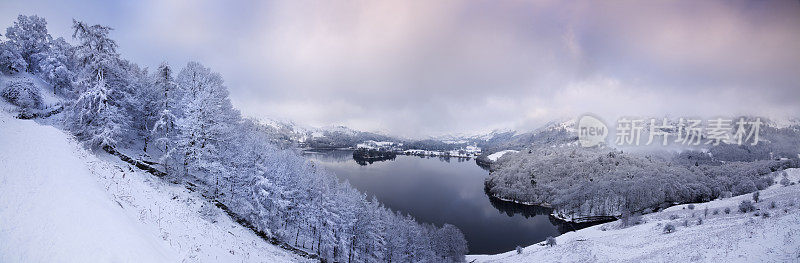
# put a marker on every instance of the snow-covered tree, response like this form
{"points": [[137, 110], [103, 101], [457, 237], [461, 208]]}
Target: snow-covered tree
{"points": [[158, 106], [98, 116], [57, 66], [206, 120], [11, 60], [29, 35], [96, 54], [94, 119], [451, 244]]}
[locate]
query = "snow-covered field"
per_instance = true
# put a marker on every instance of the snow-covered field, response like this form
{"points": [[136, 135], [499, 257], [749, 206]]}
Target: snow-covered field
{"points": [[499, 154], [60, 203], [721, 237]]}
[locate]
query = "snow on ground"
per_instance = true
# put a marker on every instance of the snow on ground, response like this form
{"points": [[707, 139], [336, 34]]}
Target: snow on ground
{"points": [[721, 237], [52, 210], [499, 154], [60, 203]]}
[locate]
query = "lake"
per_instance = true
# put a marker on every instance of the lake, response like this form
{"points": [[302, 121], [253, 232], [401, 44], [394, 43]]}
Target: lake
{"points": [[439, 190]]}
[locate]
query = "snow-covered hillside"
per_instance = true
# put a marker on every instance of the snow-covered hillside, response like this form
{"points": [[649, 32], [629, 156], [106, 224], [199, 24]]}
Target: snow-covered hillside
{"points": [[703, 234], [499, 154], [60, 203]]}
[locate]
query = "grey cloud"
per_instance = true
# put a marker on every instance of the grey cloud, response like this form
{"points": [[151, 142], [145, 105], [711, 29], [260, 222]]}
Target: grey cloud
{"points": [[420, 68]]}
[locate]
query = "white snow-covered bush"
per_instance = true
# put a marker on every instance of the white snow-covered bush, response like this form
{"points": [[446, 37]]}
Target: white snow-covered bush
{"points": [[669, 228], [785, 181], [550, 241], [746, 206], [630, 219], [23, 94], [209, 213]]}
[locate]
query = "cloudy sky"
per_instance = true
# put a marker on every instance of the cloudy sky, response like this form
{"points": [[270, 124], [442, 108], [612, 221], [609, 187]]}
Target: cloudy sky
{"points": [[419, 68]]}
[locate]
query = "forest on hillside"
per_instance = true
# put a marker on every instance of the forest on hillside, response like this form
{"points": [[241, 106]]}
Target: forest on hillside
{"points": [[602, 181]]}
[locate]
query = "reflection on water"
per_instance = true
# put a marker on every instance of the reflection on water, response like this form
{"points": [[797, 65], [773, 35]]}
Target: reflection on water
{"points": [[330, 155], [511, 209], [445, 190]]}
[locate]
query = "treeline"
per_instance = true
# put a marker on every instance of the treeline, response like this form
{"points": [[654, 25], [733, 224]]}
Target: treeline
{"points": [[582, 182], [184, 121]]}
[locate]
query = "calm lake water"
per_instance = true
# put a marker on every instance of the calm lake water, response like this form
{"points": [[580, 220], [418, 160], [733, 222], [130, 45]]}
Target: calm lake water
{"points": [[439, 191]]}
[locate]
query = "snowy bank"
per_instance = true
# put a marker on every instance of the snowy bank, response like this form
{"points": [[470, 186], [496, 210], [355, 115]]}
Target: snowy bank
{"points": [[493, 157], [705, 233]]}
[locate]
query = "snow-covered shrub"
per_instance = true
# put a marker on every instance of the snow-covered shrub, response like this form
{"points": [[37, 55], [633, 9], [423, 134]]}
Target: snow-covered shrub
{"points": [[669, 228], [690, 206], [772, 205], [550, 241], [519, 250], [765, 215], [209, 213], [755, 196], [785, 181], [746, 206], [763, 183], [673, 217], [699, 221], [727, 210], [743, 187], [716, 212], [23, 94], [630, 219]]}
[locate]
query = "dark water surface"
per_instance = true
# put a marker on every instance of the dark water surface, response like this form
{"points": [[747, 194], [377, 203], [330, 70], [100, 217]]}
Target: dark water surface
{"points": [[438, 191]]}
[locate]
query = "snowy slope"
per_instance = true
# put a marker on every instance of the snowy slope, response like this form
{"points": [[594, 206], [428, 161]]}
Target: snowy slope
{"points": [[60, 203], [52, 210], [734, 237]]}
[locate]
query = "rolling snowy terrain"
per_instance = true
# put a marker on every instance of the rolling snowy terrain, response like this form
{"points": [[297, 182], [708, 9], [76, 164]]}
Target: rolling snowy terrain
{"points": [[705, 233], [61, 203]]}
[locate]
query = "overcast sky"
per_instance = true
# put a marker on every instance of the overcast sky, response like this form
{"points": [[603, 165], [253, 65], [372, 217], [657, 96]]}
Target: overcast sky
{"points": [[419, 68]]}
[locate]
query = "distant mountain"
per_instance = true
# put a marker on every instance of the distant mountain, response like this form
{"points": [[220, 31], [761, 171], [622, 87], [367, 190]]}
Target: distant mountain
{"points": [[325, 137], [777, 138]]}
